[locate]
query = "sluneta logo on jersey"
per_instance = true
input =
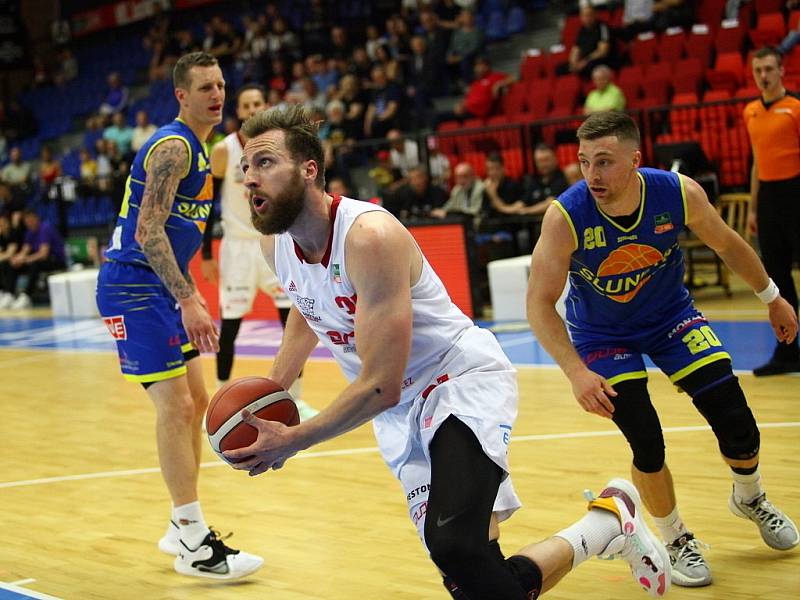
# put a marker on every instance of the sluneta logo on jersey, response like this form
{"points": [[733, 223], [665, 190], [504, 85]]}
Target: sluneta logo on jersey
{"points": [[626, 270]]}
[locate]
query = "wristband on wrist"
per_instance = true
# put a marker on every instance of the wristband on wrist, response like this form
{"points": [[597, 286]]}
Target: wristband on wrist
{"points": [[769, 293]]}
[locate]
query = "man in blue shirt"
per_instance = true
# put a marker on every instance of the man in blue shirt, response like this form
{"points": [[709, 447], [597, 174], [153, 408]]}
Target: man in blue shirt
{"points": [[42, 250]]}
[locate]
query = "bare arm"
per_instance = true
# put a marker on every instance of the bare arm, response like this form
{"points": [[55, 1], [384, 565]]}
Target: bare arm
{"points": [[380, 260], [165, 167], [549, 269], [706, 223]]}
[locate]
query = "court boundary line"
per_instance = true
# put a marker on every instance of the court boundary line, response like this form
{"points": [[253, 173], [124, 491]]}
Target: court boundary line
{"points": [[357, 451], [11, 587]]}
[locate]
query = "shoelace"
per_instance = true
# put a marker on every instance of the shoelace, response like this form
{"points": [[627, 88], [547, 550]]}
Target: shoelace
{"points": [[767, 514], [689, 552], [217, 538]]}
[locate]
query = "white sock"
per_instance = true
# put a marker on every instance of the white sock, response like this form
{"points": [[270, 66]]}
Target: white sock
{"points": [[747, 487], [671, 526], [172, 526], [189, 518], [591, 535], [296, 389]]}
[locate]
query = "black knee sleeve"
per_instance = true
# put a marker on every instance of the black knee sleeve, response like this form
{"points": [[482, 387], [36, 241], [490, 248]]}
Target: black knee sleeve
{"points": [[527, 573], [725, 408], [227, 338], [637, 419]]}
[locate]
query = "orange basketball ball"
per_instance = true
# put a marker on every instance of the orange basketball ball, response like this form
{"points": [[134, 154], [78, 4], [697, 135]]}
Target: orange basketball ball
{"points": [[261, 396]]}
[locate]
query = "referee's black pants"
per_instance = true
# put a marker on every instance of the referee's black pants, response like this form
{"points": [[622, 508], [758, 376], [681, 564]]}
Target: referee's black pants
{"points": [[779, 239]]}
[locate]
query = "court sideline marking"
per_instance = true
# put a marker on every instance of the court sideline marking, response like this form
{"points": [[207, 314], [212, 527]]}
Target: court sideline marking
{"points": [[368, 450], [20, 592]]}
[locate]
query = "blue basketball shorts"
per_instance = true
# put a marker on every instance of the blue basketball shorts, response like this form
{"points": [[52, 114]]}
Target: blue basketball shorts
{"points": [[685, 343], [144, 320]]}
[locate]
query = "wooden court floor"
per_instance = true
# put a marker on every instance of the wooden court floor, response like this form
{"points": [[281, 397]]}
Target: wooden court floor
{"points": [[83, 504]]}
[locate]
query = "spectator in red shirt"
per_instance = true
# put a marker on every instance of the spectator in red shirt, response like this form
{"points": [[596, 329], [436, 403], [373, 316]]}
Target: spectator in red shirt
{"points": [[482, 94]]}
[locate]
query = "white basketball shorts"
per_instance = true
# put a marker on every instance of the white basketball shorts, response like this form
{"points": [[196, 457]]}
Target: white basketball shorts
{"points": [[477, 384], [242, 272]]}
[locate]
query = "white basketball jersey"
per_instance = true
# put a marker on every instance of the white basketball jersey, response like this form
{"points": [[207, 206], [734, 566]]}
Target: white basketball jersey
{"points": [[325, 296], [235, 202]]}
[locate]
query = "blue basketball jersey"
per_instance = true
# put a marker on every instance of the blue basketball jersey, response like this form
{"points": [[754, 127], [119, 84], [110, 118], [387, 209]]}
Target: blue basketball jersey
{"points": [[190, 208], [626, 279]]}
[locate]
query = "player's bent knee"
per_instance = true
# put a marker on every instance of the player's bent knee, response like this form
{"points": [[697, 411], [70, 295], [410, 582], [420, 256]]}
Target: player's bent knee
{"points": [[455, 555], [638, 421], [527, 573], [725, 408]]}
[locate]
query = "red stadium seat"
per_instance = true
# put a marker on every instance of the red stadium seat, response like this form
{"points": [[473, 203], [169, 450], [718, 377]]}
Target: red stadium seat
{"points": [[565, 91], [643, 49], [791, 62], [558, 55], [513, 101], [658, 81], [730, 39], [689, 75], [514, 161], [768, 6], [683, 116], [794, 19], [570, 31], [671, 45], [566, 154], [710, 12], [532, 67], [727, 72], [769, 31], [698, 45], [537, 100]]}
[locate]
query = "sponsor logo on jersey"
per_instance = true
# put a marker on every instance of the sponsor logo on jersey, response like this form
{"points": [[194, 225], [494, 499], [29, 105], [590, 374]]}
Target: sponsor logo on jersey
{"points": [[627, 238], [625, 271], [306, 308], [418, 491], [687, 322], [116, 326], [663, 223], [292, 286], [606, 353], [337, 275]]}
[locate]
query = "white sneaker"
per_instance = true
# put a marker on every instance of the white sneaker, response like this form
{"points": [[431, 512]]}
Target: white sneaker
{"points": [[643, 551], [777, 530], [213, 559], [5, 300], [170, 543], [306, 411], [689, 566], [22, 302]]}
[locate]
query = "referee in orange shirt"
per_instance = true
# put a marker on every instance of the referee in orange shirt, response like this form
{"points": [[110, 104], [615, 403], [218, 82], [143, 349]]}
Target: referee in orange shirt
{"points": [[773, 124]]}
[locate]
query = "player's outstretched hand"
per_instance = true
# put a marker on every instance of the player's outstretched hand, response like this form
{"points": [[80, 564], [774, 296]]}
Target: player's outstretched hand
{"points": [[783, 320], [200, 327], [592, 392], [273, 446]]}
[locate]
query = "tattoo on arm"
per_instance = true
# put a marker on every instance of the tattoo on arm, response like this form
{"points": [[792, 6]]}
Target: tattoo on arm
{"points": [[164, 169]]}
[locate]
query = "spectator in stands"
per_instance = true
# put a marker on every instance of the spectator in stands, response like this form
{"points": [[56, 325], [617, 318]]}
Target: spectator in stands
{"points": [[116, 98], [355, 102], [49, 168], [392, 66], [503, 193], [340, 46], [120, 133], [398, 39], [417, 197], [605, 95], [672, 13], [438, 164], [592, 45], [283, 41], [360, 65], [221, 41], [403, 152], [119, 172], [637, 17], [17, 174], [466, 42], [546, 185], [278, 78], [436, 42], [104, 168], [67, 65], [422, 82], [447, 12], [774, 214], [793, 37], [11, 239], [42, 250], [466, 197], [143, 130], [41, 74], [87, 182], [481, 97], [323, 72], [384, 106], [316, 26], [373, 39], [337, 187]]}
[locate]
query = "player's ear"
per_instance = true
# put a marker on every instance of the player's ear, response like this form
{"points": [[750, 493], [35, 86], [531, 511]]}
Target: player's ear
{"points": [[637, 159], [309, 170]]}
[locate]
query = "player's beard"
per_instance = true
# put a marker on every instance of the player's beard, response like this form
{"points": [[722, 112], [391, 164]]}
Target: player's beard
{"points": [[283, 209]]}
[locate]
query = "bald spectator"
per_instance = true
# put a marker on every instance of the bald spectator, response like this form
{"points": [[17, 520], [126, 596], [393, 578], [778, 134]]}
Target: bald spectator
{"points": [[548, 183], [592, 46], [605, 95], [466, 197]]}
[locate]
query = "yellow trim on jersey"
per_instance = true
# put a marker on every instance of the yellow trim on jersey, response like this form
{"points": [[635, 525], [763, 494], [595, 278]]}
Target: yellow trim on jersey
{"points": [[627, 377], [171, 137], [187, 347], [157, 376], [641, 209], [706, 360], [569, 222], [683, 198]]}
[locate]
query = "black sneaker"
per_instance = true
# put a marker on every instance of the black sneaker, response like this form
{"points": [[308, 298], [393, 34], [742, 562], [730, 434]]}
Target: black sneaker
{"points": [[776, 366], [212, 558]]}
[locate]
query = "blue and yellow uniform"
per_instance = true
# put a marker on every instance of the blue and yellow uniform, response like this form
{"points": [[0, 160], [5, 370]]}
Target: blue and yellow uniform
{"points": [[627, 296], [139, 311]]}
